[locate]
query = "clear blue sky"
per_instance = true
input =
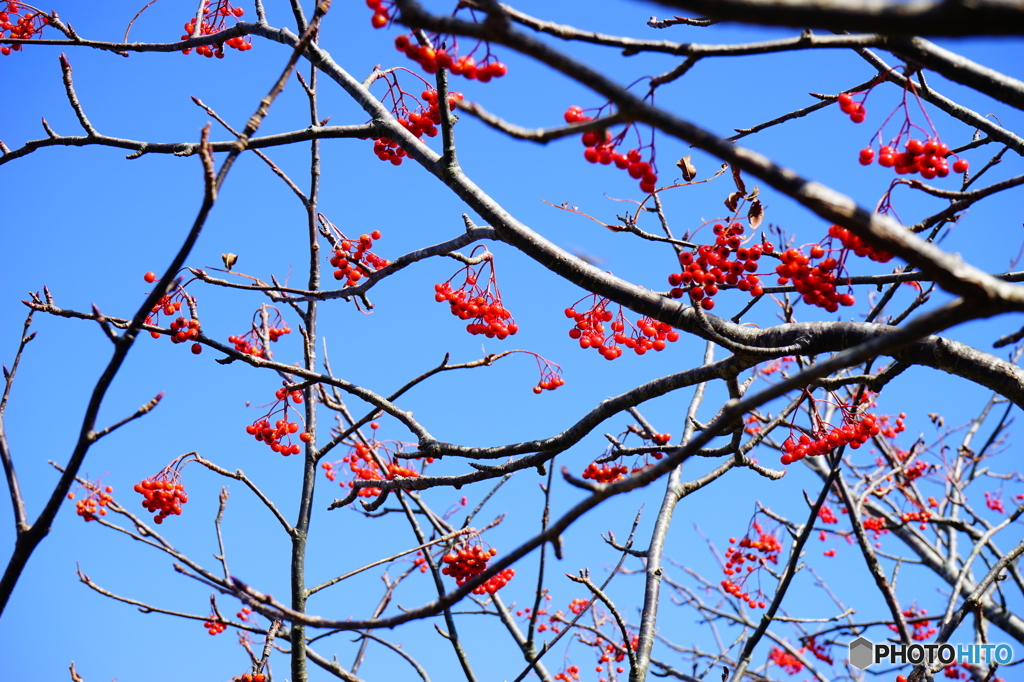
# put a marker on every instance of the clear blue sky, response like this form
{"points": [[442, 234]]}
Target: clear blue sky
{"points": [[88, 223]]}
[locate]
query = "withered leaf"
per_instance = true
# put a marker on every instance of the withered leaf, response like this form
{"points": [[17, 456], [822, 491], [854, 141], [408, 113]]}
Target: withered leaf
{"points": [[755, 214], [738, 180], [229, 260], [687, 168], [753, 195], [733, 200]]}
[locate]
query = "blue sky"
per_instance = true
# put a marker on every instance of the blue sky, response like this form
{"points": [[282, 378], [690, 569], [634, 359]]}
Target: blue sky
{"points": [[87, 223]]}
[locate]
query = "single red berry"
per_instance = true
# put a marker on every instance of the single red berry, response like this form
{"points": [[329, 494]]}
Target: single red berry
{"points": [[960, 166], [150, 277]]}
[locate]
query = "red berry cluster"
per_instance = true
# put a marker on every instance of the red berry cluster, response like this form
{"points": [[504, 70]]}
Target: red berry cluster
{"points": [[603, 473], [927, 157], [163, 492], [94, 503], [855, 431], [465, 562], [727, 262], [820, 651], [251, 343], [855, 110], [182, 329], [250, 677], [363, 464], [421, 120], [354, 260], [787, 661], [816, 284], [21, 26], [922, 629], [589, 330], [214, 626], [244, 613], [215, 16], [550, 373], [272, 436], [481, 305], [765, 549], [852, 242], [994, 502], [569, 674], [600, 148], [431, 59], [921, 516]]}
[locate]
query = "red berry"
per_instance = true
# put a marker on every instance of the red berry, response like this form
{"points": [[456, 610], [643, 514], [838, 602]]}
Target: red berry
{"points": [[150, 277]]}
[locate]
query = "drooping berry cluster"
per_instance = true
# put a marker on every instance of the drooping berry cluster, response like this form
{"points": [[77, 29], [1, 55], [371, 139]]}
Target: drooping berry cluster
{"points": [[727, 262], [482, 306], [353, 259], [365, 460], [94, 504], [279, 436], [816, 284], [182, 329], [589, 329], [252, 342], [419, 115], [465, 562], [250, 677], [164, 492], [928, 156], [787, 661], [603, 470], [550, 373], [215, 17], [855, 110], [214, 625], [431, 59], [745, 557], [600, 147], [20, 21], [922, 628], [569, 674], [855, 431], [852, 242]]}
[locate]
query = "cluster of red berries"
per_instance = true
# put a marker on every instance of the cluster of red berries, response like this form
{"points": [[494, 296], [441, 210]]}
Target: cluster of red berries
{"points": [[164, 493], [481, 305], [94, 504], [569, 674], [251, 343], [215, 16], [927, 157], [600, 148], [819, 651], [250, 677], [23, 27], [550, 373], [921, 516], [364, 466], [852, 242], [605, 474], [464, 562], [215, 626], [816, 284], [421, 121], [589, 330], [272, 436], [826, 515], [354, 260], [922, 629], [765, 549], [994, 502], [182, 329], [244, 613], [432, 59], [787, 661], [727, 262], [854, 432], [855, 110]]}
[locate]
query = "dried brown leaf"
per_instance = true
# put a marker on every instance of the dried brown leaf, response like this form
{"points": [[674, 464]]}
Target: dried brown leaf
{"points": [[738, 180], [755, 214], [687, 168]]}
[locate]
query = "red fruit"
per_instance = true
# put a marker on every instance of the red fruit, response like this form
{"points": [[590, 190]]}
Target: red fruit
{"points": [[497, 69], [197, 348], [960, 166], [150, 277]]}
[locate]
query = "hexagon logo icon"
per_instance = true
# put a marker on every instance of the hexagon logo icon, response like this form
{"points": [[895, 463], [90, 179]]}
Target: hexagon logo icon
{"points": [[862, 652]]}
